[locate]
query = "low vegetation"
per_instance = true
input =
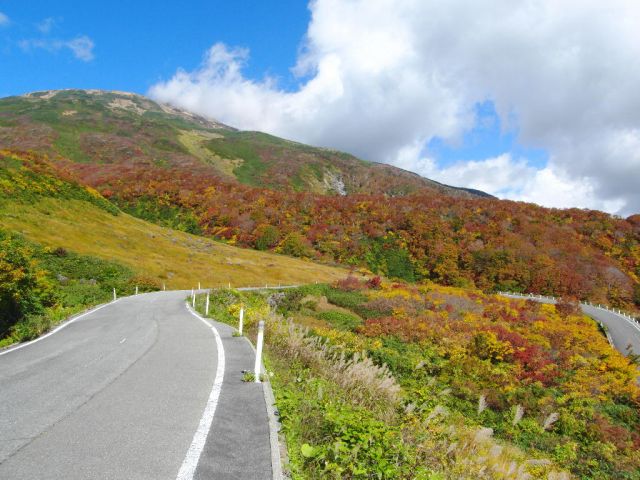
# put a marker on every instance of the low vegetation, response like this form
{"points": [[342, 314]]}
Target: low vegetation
{"points": [[388, 380]]}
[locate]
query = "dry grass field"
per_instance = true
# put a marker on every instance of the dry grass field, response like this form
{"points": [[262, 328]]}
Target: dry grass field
{"points": [[178, 259]]}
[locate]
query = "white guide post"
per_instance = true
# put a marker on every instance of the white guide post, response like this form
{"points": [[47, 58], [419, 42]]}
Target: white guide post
{"points": [[164, 287], [198, 285], [136, 289], [259, 343], [114, 295], [193, 299], [206, 306], [241, 322]]}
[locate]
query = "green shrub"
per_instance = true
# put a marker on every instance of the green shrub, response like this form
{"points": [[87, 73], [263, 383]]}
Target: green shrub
{"points": [[24, 288], [356, 445], [149, 209], [340, 320], [290, 301], [82, 293], [383, 255], [296, 245], [267, 236], [350, 300]]}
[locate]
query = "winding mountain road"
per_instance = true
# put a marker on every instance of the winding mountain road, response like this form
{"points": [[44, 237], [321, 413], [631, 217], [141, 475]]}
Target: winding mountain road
{"points": [[138, 389]]}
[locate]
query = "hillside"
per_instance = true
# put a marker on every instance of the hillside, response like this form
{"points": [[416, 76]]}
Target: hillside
{"points": [[251, 190], [490, 244], [57, 212], [430, 374], [117, 128]]}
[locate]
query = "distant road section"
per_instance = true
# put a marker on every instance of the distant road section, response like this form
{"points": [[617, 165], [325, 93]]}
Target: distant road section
{"points": [[121, 393]]}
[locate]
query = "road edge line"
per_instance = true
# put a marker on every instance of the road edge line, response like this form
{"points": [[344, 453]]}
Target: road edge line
{"points": [[274, 432], [192, 458], [64, 324]]}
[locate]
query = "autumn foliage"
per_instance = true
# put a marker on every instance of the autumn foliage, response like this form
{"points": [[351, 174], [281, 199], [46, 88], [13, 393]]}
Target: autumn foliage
{"points": [[486, 243], [541, 376]]}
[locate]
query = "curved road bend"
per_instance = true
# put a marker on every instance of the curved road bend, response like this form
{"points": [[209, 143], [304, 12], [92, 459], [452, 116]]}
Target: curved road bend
{"points": [[624, 333], [120, 393]]}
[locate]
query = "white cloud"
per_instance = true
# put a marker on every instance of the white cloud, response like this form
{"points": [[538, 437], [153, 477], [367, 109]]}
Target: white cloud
{"points": [[506, 177], [4, 20], [46, 25], [380, 78], [81, 47]]}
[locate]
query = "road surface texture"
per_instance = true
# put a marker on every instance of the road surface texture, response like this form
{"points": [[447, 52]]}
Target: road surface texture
{"points": [[623, 332], [121, 394]]}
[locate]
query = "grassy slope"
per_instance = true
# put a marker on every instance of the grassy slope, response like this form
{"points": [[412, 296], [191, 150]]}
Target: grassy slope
{"points": [[177, 258]]}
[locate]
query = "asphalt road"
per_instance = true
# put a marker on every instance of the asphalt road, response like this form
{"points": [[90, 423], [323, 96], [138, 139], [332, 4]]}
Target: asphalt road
{"points": [[121, 393], [624, 333]]}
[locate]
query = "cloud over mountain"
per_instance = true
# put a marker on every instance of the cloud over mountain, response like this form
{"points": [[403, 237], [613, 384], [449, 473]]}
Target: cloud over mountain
{"points": [[381, 78]]}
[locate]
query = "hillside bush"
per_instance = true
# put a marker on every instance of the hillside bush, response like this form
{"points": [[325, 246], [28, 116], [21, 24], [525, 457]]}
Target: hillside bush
{"points": [[340, 320], [24, 288], [512, 378]]}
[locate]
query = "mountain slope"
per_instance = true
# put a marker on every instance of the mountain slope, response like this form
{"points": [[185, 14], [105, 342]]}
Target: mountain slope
{"points": [[490, 244], [187, 173], [57, 212], [98, 127]]}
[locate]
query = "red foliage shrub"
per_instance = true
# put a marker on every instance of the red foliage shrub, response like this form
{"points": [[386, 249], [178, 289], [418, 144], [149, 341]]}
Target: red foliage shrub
{"points": [[536, 364], [374, 283], [615, 434], [349, 284]]}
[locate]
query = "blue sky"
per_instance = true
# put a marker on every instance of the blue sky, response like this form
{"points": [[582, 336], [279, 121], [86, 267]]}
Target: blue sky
{"points": [[487, 139], [137, 43], [524, 100]]}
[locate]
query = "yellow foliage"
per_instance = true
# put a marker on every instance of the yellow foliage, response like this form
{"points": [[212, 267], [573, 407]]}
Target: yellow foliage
{"points": [[178, 259]]}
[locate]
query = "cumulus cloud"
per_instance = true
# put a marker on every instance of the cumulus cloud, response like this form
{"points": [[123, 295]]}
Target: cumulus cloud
{"points": [[381, 78], [513, 178], [4, 20], [81, 46]]}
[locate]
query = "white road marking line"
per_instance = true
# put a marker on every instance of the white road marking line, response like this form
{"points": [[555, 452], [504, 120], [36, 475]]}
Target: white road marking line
{"points": [[60, 327], [122, 341], [190, 463]]}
